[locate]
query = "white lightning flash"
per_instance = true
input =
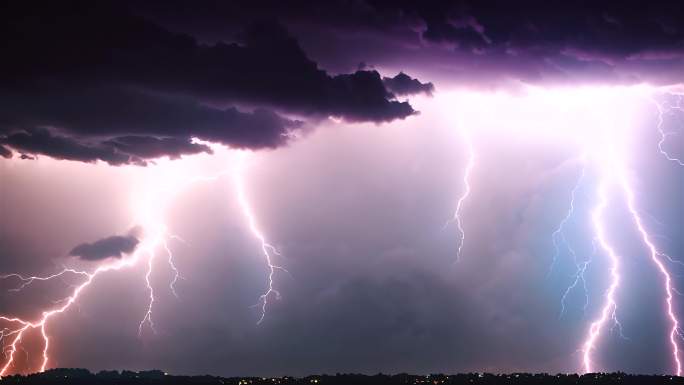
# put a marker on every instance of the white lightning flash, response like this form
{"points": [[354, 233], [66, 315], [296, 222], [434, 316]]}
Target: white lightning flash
{"points": [[596, 120], [558, 238], [609, 307], [149, 208], [470, 164], [614, 173], [267, 249], [667, 108]]}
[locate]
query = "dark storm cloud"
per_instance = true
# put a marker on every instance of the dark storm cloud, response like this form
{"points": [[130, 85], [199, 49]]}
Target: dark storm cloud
{"points": [[475, 41], [403, 84], [153, 147], [604, 29], [42, 141], [266, 66], [95, 71], [110, 247], [124, 125], [602, 40], [117, 151], [175, 70], [5, 152]]}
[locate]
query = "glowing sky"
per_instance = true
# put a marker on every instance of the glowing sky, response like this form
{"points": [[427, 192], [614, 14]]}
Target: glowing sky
{"points": [[290, 211]]}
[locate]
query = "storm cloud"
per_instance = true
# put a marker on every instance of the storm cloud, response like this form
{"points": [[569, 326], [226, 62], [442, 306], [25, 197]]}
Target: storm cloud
{"points": [[122, 125], [479, 43], [95, 72], [252, 75], [359, 210], [403, 84], [110, 247]]}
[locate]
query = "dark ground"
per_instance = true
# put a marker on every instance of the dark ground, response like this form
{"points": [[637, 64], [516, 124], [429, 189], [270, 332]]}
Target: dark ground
{"points": [[155, 377]]}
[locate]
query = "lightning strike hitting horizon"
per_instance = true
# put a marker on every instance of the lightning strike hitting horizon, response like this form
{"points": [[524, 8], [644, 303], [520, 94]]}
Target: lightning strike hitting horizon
{"points": [[156, 237], [655, 257], [606, 154], [23, 326], [613, 176], [614, 172], [609, 306]]}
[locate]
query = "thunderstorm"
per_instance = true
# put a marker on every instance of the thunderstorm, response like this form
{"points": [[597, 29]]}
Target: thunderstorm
{"points": [[268, 193]]}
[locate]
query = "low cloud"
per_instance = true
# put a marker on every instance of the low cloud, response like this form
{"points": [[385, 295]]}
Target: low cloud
{"points": [[403, 84], [111, 247]]}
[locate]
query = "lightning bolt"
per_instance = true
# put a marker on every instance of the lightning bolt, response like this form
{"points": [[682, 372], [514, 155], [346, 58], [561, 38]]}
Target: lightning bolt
{"points": [[662, 108], [23, 326], [558, 238], [614, 173], [578, 278], [148, 314], [268, 251], [558, 235], [156, 237], [170, 260], [26, 281], [609, 306], [470, 164], [656, 258], [604, 152]]}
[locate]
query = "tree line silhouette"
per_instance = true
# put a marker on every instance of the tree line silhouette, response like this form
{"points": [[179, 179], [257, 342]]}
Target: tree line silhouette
{"points": [[157, 377]]}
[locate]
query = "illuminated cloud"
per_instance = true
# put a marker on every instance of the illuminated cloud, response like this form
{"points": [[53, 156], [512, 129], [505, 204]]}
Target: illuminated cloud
{"points": [[41, 141]]}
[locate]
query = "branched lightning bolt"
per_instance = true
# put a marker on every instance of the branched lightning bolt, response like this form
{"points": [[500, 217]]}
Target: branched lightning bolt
{"points": [[176, 273], [148, 313], [156, 237], [613, 175], [578, 278], [147, 248], [470, 164], [662, 109], [558, 238], [26, 281], [614, 171], [267, 249], [656, 258], [609, 306], [23, 326]]}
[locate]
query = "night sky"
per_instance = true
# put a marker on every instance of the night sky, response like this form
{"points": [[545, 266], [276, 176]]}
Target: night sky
{"points": [[428, 179]]}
